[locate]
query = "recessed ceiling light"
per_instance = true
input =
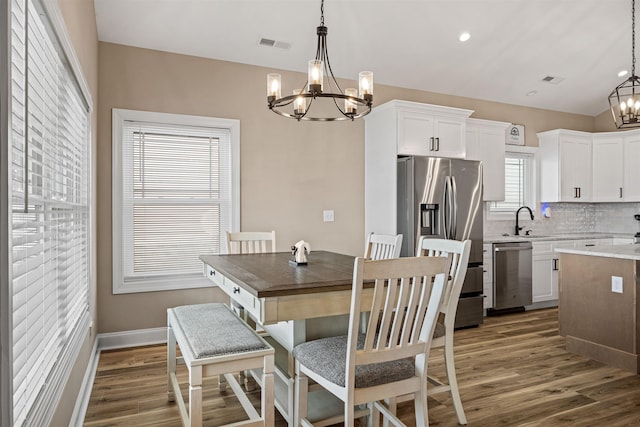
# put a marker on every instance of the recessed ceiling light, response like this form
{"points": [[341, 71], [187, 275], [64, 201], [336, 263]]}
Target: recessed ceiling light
{"points": [[623, 73], [533, 92], [464, 37]]}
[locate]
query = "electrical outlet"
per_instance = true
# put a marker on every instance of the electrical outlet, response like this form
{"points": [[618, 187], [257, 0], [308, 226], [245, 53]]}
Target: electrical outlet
{"points": [[616, 284], [328, 216]]}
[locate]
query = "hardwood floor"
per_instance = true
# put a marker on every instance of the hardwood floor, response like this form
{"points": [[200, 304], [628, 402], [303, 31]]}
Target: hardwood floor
{"points": [[512, 371]]}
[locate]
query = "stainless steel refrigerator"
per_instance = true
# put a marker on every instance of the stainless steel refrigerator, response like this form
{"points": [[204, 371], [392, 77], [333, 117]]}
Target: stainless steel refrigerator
{"points": [[442, 198]]}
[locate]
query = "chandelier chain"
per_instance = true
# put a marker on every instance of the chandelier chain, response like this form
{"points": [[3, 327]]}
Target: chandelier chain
{"points": [[633, 37], [322, 13]]}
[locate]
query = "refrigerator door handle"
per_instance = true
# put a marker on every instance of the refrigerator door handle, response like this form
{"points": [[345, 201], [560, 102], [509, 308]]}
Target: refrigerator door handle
{"points": [[445, 207], [454, 209]]}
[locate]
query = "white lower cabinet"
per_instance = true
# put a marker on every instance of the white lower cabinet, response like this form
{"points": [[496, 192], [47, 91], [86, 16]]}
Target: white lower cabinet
{"points": [[544, 272], [545, 265], [487, 275]]}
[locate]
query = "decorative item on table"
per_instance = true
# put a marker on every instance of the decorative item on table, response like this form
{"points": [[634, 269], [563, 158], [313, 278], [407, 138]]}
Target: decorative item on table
{"points": [[299, 252]]}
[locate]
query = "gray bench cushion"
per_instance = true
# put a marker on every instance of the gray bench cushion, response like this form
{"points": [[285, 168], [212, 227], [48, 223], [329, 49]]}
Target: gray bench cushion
{"points": [[213, 330], [327, 357]]}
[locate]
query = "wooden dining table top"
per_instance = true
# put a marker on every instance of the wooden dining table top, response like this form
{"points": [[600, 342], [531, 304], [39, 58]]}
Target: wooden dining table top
{"points": [[271, 275]]}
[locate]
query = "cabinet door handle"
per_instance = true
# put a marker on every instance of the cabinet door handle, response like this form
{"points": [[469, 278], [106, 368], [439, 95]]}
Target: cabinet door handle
{"points": [[431, 145], [437, 144], [621, 192], [579, 192], [575, 192], [236, 290], [555, 264]]}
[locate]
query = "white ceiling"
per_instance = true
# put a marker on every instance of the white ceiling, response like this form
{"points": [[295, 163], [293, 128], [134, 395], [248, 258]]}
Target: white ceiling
{"points": [[407, 43]]}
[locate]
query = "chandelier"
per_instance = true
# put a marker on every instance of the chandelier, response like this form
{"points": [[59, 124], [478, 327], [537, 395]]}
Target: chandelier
{"points": [[625, 99], [350, 103]]}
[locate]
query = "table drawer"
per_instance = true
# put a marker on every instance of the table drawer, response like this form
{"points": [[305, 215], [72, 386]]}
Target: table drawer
{"points": [[214, 275], [235, 292]]}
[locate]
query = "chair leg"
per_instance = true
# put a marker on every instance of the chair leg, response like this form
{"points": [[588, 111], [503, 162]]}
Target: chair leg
{"points": [[374, 416], [420, 403], [452, 379], [349, 413], [300, 398], [171, 362], [392, 404]]}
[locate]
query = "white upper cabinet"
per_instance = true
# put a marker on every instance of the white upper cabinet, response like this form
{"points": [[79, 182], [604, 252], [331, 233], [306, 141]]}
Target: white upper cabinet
{"points": [[608, 176], [424, 129], [404, 128], [565, 166], [631, 182], [485, 141]]}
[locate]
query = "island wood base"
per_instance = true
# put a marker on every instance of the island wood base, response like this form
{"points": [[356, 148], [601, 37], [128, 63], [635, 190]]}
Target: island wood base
{"points": [[596, 322]]}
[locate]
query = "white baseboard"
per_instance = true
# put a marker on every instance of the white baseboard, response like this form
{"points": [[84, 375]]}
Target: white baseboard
{"points": [[134, 338], [110, 341], [82, 402]]}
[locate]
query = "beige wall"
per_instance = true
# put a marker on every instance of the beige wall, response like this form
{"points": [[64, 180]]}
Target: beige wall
{"points": [[290, 171], [79, 18]]}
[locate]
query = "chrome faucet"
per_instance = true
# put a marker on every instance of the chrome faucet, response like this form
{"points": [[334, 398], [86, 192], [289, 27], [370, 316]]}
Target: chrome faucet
{"points": [[518, 228]]}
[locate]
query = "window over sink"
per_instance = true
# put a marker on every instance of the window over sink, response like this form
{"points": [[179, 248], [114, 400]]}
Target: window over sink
{"points": [[520, 184]]}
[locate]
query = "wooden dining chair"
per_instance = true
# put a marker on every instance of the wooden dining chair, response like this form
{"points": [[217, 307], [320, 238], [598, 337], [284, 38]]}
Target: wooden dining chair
{"points": [[458, 251], [251, 242], [383, 246], [390, 358]]}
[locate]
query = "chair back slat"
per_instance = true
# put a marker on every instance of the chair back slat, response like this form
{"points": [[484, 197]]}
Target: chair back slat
{"points": [[251, 242], [459, 252], [383, 246], [403, 311]]}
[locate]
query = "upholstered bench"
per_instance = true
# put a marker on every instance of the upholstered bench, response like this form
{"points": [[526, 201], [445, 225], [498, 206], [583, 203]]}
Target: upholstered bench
{"points": [[213, 342]]}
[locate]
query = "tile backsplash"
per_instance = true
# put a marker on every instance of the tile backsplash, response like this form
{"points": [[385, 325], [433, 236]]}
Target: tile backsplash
{"points": [[573, 218]]}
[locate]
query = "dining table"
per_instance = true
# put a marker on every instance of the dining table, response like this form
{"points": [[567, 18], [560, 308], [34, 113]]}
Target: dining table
{"points": [[292, 303]]}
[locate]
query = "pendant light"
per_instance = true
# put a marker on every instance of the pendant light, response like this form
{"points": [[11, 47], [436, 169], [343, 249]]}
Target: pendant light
{"points": [[625, 99], [349, 104]]}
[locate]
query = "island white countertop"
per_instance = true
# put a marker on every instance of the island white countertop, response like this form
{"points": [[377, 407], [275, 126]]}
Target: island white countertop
{"points": [[630, 251]]}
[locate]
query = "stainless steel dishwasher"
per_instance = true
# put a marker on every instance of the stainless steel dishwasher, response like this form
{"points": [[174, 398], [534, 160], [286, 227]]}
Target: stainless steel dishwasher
{"points": [[512, 276]]}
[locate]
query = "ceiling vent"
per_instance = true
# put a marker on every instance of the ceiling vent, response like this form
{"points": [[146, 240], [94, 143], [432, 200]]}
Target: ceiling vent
{"points": [[553, 80], [274, 43]]}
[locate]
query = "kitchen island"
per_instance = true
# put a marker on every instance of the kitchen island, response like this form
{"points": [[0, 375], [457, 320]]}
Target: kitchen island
{"points": [[599, 303]]}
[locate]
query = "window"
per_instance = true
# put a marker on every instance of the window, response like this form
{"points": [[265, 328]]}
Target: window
{"points": [[175, 194], [48, 165], [519, 168]]}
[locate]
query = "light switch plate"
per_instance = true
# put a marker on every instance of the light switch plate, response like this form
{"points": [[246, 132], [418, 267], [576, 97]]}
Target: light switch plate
{"points": [[616, 284], [328, 216]]}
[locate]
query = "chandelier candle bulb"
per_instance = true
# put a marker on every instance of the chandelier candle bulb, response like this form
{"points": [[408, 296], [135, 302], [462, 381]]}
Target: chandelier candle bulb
{"points": [[299, 104], [273, 86], [350, 106], [315, 76], [366, 85]]}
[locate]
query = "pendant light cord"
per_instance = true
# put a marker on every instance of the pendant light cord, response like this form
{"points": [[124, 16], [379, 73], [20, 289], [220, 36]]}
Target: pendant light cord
{"points": [[633, 37], [322, 12]]}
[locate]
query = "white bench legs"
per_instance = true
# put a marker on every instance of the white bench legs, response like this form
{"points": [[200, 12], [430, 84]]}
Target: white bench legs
{"points": [[215, 342]]}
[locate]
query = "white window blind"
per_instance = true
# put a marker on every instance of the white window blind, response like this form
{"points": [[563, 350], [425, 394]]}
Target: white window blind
{"points": [[176, 201], [518, 169], [49, 278]]}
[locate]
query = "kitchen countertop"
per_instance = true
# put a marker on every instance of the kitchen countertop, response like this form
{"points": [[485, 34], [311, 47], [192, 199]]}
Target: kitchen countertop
{"points": [[630, 251], [566, 236]]}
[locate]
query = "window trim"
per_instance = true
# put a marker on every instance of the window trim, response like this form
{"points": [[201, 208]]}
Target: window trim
{"points": [[533, 202], [119, 116]]}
